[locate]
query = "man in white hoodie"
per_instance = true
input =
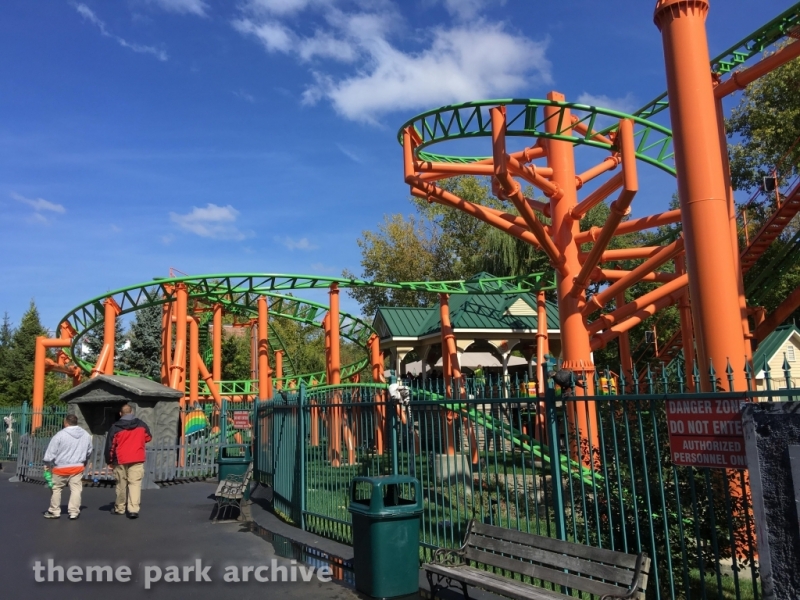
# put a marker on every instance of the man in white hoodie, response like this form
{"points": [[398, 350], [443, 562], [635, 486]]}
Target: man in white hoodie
{"points": [[66, 457]]}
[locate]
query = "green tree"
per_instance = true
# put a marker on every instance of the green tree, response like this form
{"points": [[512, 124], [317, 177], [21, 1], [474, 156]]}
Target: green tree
{"points": [[18, 367], [236, 363], [767, 125], [143, 354], [6, 336]]}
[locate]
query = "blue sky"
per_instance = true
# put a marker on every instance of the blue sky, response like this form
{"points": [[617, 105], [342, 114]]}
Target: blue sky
{"points": [[259, 135]]}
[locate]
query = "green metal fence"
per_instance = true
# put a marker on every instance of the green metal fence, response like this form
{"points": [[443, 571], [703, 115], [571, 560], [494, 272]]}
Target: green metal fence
{"points": [[17, 421], [519, 461]]}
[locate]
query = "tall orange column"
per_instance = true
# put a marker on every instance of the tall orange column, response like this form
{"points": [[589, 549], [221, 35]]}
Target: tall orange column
{"points": [[166, 341], [334, 377], [263, 350], [333, 316], [542, 341], [575, 348], [216, 344], [178, 368], [110, 312], [687, 330], [560, 157], [194, 355], [701, 189], [451, 368], [376, 362]]}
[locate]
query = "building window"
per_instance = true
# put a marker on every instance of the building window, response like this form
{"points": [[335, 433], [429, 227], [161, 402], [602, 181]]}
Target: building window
{"points": [[790, 353]]}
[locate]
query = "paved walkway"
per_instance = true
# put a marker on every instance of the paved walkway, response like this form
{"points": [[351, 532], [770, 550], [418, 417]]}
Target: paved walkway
{"points": [[173, 529]]}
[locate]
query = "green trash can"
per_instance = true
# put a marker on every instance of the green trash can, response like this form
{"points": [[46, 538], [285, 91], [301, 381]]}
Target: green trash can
{"points": [[233, 459], [386, 521]]}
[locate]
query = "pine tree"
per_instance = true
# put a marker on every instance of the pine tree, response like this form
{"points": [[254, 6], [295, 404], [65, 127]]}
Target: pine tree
{"points": [[18, 368], [6, 335], [143, 355]]}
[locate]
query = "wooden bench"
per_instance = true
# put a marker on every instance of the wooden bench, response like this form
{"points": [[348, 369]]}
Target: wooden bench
{"points": [[231, 491], [566, 566]]}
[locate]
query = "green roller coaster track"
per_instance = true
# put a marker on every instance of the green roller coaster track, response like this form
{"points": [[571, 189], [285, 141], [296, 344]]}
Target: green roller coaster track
{"points": [[239, 294]]}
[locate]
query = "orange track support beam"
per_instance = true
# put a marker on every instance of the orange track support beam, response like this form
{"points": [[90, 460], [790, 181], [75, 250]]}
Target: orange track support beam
{"points": [[376, 362], [110, 311], [595, 198], [609, 164], [647, 311], [264, 387], [39, 371], [216, 343], [701, 188], [209, 379], [451, 367], [626, 253], [634, 225], [614, 275], [779, 315], [741, 79], [512, 190], [607, 320], [333, 316], [599, 300], [619, 208], [687, 332], [166, 342], [334, 378]]}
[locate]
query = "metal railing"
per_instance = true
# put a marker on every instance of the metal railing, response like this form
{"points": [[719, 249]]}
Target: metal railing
{"points": [[520, 461]]}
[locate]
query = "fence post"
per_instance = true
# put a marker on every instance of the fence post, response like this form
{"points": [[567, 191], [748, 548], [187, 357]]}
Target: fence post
{"points": [[23, 424], [555, 461], [254, 439], [391, 409], [301, 443], [223, 422]]}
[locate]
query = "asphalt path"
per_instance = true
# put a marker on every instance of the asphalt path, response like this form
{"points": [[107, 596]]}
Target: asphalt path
{"points": [[173, 529]]}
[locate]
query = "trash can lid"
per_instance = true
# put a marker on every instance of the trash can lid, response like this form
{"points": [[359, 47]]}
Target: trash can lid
{"points": [[386, 495]]}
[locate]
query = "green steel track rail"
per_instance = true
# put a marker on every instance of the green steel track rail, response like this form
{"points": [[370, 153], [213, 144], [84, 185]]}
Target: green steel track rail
{"points": [[526, 118], [239, 294]]}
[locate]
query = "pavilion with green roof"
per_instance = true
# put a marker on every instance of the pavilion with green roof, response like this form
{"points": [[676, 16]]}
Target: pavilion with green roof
{"points": [[496, 324]]}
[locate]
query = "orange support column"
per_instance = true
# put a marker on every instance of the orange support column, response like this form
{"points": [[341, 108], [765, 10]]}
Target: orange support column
{"points": [[110, 312], [39, 372], [449, 354], [334, 377], [625, 358], [216, 344], [701, 189], [687, 330], [177, 378], [333, 325], [575, 347], [166, 341], [194, 354], [264, 391], [542, 341], [279, 369], [376, 362]]}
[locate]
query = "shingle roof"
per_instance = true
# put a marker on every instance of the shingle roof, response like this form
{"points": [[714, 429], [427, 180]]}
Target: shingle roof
{"points": [[771, 344], [138, 386], [467, 311]]}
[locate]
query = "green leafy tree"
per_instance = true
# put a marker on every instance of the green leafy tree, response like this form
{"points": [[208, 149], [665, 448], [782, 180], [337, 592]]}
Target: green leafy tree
{"points": [[143, 354], [766, 124], [236, 363]]}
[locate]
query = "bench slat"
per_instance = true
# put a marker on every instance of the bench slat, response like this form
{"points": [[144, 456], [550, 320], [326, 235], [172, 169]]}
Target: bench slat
{"points": [[575, 582], [496, 583], [610, 557], [577, 565]]}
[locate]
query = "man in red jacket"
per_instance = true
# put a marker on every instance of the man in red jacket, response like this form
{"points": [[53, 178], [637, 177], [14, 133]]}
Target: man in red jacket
{"points": [[125, 454]]}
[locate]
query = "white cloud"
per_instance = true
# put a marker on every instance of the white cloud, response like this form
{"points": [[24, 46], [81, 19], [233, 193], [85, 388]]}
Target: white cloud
{"points": [[471, 60], [350, 154], [296, 244], [215, 222], [39, 204], [242, 95], [626, 104], [467, 9], [191, 7], [90, 16]]}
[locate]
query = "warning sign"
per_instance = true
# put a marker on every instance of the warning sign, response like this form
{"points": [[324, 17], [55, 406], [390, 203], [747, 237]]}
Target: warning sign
{"points": [[707, 433], [241, 419]]}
